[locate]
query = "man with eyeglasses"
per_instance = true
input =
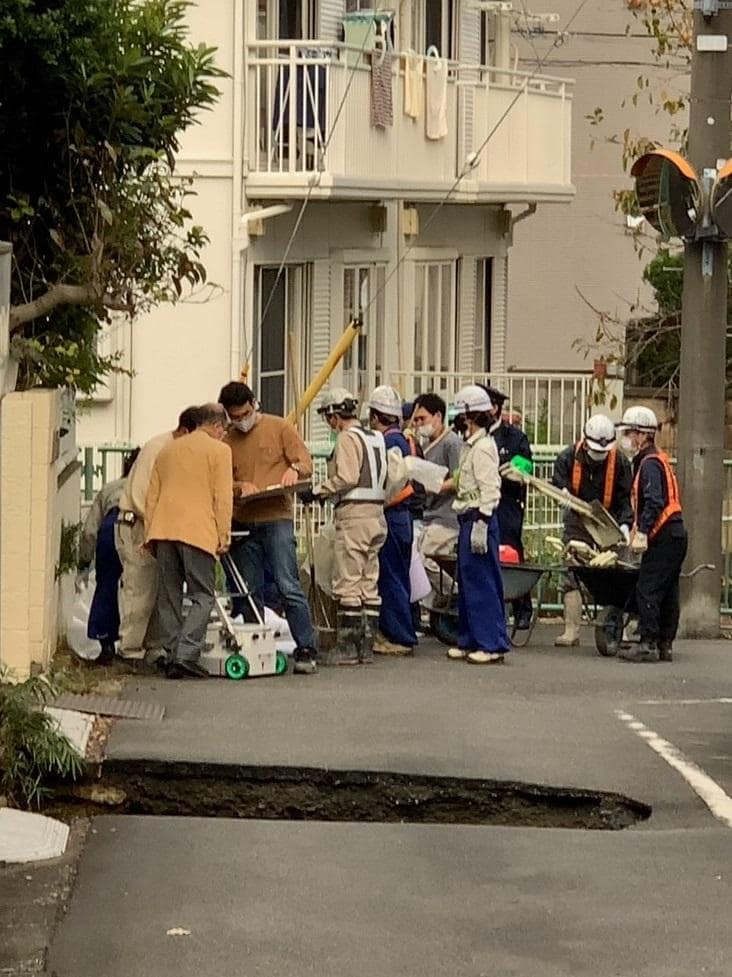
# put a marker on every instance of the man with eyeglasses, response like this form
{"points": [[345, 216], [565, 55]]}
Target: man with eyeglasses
{"points": [[266, 450]]}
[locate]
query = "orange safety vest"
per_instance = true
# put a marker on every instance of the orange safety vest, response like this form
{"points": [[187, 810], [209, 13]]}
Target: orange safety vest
{"points": [[607, 491], [408, 489], [673, 506]]}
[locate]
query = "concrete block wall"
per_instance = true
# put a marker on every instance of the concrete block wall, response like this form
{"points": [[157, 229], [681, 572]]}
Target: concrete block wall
{"points": [[30, 530]]}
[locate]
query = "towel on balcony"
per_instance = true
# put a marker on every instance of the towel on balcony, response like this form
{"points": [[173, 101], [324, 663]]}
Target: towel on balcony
{"points": [[382, 112], [413, 86], [436, 98]]}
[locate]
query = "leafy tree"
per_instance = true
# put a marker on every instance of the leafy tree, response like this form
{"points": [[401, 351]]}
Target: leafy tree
{"points": [[94, 95]]}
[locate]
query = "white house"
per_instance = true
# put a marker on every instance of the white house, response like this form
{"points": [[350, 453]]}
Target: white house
{"points": [[316, 215]]}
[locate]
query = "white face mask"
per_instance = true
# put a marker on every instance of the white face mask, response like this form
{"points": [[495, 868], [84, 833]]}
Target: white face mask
{"points": [[245, 424], [627, 447], [596, 455], [426, 431]]}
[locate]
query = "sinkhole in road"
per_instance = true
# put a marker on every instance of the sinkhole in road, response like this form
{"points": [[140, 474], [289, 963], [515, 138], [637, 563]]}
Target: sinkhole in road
{"points": [[315, 794]]}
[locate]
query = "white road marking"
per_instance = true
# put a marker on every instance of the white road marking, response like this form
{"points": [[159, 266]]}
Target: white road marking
{"points": [[683, 702], [718, 802]]}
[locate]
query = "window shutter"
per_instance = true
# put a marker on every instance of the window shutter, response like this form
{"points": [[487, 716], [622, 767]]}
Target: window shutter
{"points": [[500, 314], [466, 316], [330, 19], [320, 337]]}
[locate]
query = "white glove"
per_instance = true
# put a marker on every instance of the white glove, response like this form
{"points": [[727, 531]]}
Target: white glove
{"points": [[479, 538], [639, 542], [625, 530], [564, 506], [82, 579]]}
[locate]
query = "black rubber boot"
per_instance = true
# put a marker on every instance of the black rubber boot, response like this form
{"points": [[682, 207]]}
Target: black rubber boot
{"points": [[665, 653], [370, 627], [349, 625]]}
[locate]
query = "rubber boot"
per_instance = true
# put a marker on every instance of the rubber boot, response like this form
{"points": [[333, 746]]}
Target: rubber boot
{"points": [[349, 624], [572, 620], [370, 627], [665, 654]]}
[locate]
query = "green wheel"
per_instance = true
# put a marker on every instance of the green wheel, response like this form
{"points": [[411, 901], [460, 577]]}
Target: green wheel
{"points": [[280, 663], [236, 667]]}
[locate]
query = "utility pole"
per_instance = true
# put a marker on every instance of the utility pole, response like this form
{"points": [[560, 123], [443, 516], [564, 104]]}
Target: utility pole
{"points": [[704, 324]]}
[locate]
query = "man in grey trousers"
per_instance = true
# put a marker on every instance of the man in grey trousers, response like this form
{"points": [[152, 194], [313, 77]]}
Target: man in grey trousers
{"points": [[188, 522]]}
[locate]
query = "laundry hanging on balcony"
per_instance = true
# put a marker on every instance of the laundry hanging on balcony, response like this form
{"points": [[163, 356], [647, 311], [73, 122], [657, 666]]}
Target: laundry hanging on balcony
{"points": [[413, 85], [382, 109], [435, 95]]}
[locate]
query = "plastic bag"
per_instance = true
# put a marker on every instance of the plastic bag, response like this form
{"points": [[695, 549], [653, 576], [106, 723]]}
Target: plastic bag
{"points": [[419, 582], [78, 622], [323, 549]]}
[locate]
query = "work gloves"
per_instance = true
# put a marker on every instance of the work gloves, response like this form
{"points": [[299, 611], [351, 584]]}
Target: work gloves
{"points": [[626, 533], [639, 542], [310, 496], [479, 538]]}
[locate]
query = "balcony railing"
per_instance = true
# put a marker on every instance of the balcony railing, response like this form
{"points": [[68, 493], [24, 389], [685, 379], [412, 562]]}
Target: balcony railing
{"points": [[550, 407], [308, 125]]}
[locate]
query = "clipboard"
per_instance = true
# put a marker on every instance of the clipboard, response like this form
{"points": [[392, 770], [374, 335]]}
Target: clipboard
{"points": [[273, 491]]}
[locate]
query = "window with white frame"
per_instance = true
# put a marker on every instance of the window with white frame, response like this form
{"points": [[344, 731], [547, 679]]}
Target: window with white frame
{"points": [[434, 316], [483, 315], [433, 25], [282, 339], [287, 19], [363, 296]]}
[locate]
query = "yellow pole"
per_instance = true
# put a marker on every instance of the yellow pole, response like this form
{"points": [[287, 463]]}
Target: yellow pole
{"points": [[336, 354]]}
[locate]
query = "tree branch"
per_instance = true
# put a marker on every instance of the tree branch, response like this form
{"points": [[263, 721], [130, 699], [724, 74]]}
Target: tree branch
{"points": [[60, 294]]}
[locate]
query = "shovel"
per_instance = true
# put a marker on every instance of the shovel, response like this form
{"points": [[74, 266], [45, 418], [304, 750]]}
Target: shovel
{"points": [[595, 518]]}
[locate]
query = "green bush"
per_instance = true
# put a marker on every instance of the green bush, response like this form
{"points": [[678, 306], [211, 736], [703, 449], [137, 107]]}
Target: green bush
{"points": [[31, 748]]}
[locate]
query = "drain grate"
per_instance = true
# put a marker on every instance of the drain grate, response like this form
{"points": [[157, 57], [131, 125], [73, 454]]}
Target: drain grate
{"points": [[304, 793]]}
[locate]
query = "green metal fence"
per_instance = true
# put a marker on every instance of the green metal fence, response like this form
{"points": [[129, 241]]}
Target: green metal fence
{"points": [[103, 463]]}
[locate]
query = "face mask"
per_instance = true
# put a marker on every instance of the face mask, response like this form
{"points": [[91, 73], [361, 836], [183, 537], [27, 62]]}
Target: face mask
{"points": [[245, 424], [596, 455], [626, 446], [426, 431]]}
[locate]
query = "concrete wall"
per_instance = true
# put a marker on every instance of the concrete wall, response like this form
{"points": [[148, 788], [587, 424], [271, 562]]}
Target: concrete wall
{"points": [[34, 499], [584, 245]]}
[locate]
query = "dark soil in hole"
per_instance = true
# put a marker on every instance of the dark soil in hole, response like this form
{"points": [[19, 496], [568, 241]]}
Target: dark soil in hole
{"points": [[312, 794]]}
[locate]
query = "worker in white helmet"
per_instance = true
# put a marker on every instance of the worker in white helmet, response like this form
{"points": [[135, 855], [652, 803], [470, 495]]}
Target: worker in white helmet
{"points": [[658, 534], [592, 469], [356, 483], [482, 637], [396, 627]]}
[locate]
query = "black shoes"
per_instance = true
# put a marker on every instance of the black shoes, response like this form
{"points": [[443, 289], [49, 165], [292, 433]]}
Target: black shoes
{"points": [[645, 651], [304, 661], [185, 669]]}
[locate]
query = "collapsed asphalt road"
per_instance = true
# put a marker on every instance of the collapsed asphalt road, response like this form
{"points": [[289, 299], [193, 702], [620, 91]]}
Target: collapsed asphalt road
{"points": [[183, 895]]}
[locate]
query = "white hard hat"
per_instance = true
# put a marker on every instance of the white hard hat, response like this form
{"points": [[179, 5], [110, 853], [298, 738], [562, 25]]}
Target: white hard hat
{"points": [[337, 399], [599, 433], [472, 399], [639, 419], [385, 400]]}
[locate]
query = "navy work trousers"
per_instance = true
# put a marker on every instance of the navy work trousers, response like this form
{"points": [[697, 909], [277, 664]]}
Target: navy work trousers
{"points": [[481, 613], [395, 556]]}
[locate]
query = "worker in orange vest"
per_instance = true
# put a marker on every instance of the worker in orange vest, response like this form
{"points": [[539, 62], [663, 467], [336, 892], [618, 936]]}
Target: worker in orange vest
{"points": [[658, 534], [591, 469]]}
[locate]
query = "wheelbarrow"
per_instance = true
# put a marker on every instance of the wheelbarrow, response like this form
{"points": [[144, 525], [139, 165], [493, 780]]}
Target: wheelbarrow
{"points": [[612, 589], [519, 579]]}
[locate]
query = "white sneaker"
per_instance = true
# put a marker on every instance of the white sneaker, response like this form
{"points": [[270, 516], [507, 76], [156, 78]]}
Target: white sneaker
{"points": [[485, 658], [457, 654]]}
